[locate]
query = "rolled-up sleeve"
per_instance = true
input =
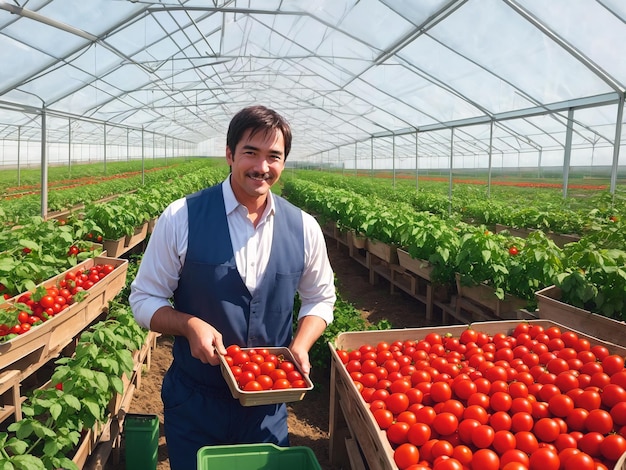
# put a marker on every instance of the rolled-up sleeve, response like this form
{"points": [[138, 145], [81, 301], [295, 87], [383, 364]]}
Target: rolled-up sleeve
{"points": [[161, 264], [317, 285]]}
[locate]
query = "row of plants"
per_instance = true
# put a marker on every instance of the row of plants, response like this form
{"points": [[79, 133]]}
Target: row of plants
{"points": [[19, 210], [61, 175], [529, 208], [77, 397], [591, 276], [40, 249]]}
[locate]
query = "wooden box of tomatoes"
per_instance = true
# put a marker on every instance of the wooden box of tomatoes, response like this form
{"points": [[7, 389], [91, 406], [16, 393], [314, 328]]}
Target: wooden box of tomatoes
{"points": [[44, 340], [267, 394], [351, 419]]}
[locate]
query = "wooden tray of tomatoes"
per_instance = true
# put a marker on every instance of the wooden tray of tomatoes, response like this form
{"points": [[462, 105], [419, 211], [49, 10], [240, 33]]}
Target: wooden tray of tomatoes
{"points": [[566, 384], [263, 376]]}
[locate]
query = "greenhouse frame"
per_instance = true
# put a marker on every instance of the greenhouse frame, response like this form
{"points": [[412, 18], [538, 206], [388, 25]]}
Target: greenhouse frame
{"points": [[366, 84]]}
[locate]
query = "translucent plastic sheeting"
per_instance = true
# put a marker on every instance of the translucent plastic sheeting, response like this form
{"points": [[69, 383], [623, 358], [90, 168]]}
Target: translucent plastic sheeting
{"points": [[344, 72]]}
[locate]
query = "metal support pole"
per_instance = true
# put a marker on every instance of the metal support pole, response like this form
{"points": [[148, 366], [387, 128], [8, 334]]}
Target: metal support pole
{"points": [[393, 160], [417, 165], [105, 148], [568, 150], [617, 143], [143, 158], [44, 165], [19, 145], [372, 157], [69, 146], [490, 158], [451, 165]]}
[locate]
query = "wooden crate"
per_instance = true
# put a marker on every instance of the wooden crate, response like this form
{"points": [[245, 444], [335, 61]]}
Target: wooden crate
{"points": [[140, 235], [384, 251], [114, 248], [28, 352], [347, 405], [550, 307], [484, 296], [417, 266]]}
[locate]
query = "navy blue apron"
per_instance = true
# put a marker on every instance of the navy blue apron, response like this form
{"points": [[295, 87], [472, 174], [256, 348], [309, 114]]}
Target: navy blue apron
{"points": [[199, 409]]}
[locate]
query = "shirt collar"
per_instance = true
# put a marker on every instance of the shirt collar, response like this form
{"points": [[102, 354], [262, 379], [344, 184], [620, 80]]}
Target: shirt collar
{"points": [[231, 204]]}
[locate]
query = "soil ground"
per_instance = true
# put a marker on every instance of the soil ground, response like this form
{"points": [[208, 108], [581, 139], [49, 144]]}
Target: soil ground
{"points": [[308, 419]]}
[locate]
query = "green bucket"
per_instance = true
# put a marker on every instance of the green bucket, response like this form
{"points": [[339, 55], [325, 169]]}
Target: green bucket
{"points": [[256, 457], [141, 437]]}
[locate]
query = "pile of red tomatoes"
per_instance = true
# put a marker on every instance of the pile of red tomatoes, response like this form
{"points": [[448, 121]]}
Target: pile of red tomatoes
{"points": [[33, 308], [538, 398], [259, 369]]}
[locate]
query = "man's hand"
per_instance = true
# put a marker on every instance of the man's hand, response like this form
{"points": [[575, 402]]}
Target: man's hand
{"points": [[205, 342]]}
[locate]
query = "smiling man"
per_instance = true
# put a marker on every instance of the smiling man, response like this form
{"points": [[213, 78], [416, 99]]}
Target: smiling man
{"points": [[222, 267]]}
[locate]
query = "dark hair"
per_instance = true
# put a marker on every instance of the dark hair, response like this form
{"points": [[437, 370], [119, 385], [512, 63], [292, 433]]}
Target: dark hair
{"points": [[257, 119]]}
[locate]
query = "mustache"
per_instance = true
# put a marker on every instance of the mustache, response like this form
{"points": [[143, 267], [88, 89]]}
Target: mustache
{"points": [[256, 174]]}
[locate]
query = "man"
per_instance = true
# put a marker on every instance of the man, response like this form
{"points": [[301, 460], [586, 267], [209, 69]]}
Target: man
{"points": [[232, 257]]}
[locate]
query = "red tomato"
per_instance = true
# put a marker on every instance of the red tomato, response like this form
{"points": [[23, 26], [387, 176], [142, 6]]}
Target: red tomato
{"points": [[482, 436], [406, 455], [419, 434], [384, 418], [612, 364], [485, 459], [22, 317], [343, 356], [265, 381], [544, 459], [287, 366], [252, 386], [47, 301], [240, 358], [613, 447], [397, 432], [445, 423], [599, 421], [281, 384], [397, 403]]}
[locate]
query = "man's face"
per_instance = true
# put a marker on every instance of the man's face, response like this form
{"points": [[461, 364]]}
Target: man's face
{"points": [[256, 165]]}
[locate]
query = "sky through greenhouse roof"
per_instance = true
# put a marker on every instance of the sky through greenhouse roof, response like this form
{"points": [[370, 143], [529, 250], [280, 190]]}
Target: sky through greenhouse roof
{"points": [[342, 71]]}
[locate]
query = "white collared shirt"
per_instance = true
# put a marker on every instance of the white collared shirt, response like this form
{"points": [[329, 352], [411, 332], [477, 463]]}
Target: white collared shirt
{"points": [[164, 257]]}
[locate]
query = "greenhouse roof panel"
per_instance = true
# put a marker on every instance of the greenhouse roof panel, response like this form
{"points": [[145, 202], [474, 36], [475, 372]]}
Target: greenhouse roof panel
{"points": [[342, 71]]}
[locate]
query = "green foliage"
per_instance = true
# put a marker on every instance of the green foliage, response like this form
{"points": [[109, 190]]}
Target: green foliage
{"points": [[595, 279], [346, 318], [54, 419]]}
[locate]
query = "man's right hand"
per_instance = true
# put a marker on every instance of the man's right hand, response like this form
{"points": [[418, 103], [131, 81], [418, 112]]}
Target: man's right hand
{"points": [[205, 342]]}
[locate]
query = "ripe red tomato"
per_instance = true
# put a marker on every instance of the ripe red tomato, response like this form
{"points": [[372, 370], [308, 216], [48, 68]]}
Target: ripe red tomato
{"points": [[22, 317], [397, 432], [383, 417], [544, 459], [397, 403], [513, 250], [252, 386], [265, 381], [485, 459], [406, 455], [281, 384], [47, 301]]}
